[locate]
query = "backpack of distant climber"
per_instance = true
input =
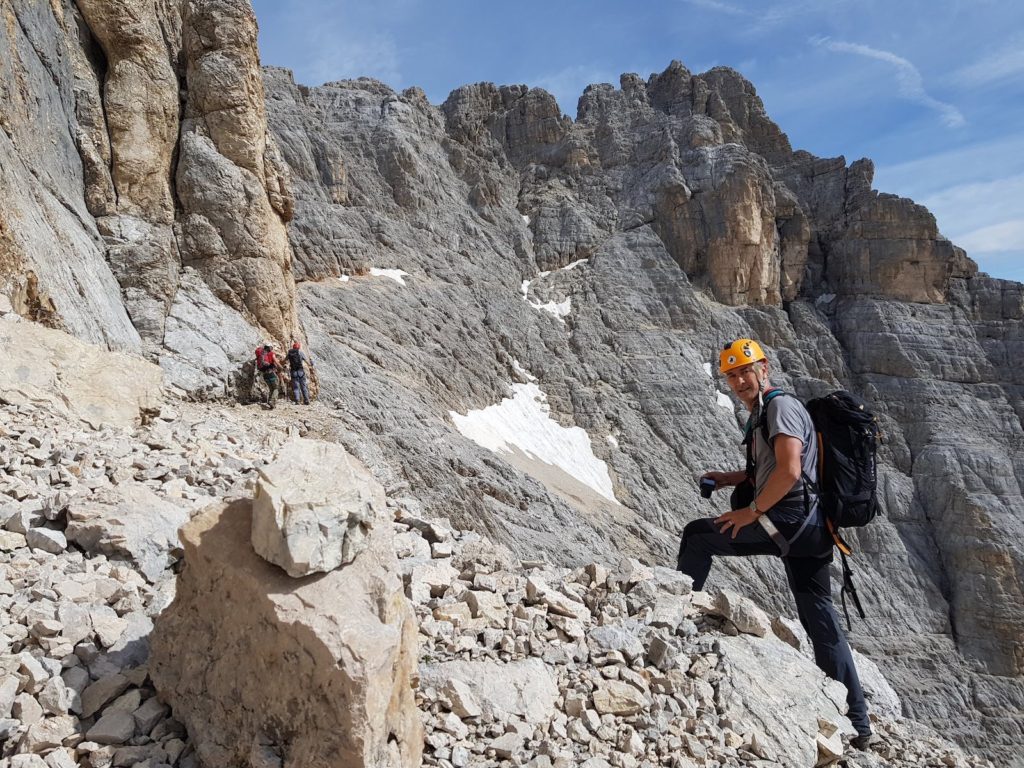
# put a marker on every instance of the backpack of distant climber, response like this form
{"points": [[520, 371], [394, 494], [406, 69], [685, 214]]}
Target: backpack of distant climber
{"points": [[265, 360]]}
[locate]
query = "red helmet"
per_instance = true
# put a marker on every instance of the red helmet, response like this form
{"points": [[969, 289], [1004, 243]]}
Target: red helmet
{"points": [[295, 345]]}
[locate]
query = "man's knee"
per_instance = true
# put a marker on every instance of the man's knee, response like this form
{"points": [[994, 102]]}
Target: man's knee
{"points": [[695, 534]]}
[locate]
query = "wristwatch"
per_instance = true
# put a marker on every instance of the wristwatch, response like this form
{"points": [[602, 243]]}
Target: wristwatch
{"points": [[754, 509]]}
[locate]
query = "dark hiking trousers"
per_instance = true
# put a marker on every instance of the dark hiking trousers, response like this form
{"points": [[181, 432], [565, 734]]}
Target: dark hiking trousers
{"points": [[808, 571], [270, 377], [299, 385]]}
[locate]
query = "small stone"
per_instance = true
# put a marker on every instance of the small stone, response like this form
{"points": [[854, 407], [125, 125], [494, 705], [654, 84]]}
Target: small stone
{"points": [[830, 743], [99, 693], [106, 624], [743, 613], [27, 709], [34, 671], [12, 540], [60, 758], [440, 549], [115, 728], [487, 605], [618, 698], [464, 703], [48, 734], [8, 727], [46, 628], [9, 685], [27, 761], [507, 746], [55, 698], [47, 540], [149, 714]]}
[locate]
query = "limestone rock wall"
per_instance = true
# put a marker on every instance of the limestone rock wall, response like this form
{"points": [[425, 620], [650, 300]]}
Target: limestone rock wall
{"points": [[136, 152]]}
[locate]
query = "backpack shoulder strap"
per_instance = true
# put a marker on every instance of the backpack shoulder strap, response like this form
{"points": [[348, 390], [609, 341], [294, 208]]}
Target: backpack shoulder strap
{"points": [[768, 397]]}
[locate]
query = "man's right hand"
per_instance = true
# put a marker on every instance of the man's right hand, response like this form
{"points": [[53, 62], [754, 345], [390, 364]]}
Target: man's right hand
{"points": [[723, 479]]}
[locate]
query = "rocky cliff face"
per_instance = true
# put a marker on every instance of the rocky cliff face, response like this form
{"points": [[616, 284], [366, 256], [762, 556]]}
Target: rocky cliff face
{"points": [[147, 205], [492, 262]]}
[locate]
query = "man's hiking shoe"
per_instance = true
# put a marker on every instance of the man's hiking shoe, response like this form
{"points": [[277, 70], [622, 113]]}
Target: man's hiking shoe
{"points": [[863, 741]]}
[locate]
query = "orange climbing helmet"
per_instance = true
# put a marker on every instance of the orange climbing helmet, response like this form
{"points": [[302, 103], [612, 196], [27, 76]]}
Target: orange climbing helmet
{"points": [[739, 353]]}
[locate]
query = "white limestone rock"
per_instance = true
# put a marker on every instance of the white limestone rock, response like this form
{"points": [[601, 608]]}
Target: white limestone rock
{"points": [[106, 388], [742, 612], [520, 689], [314, 508], [47, 540], [131, 521]]}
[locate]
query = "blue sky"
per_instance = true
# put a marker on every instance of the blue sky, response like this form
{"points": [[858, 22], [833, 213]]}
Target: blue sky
{"points": [[931, 90]]}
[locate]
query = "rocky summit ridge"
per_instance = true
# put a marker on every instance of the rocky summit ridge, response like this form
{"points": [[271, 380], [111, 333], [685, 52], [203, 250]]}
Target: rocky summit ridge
{"points": [[490, 263]]}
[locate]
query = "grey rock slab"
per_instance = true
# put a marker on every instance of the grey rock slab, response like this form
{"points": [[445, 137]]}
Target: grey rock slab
{"points": [[767, 677], [129, 521], [47, 540], [113, 728], [149, 714], [96, 696], [524, 689]]}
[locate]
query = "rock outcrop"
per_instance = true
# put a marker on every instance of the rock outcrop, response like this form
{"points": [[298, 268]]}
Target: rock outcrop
{"points": [[136, 149], [314, 672], [84, 381]]}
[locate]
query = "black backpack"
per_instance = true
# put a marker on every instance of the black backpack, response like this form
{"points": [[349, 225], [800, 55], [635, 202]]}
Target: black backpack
{"points": [[848, 436], [295, 359]]}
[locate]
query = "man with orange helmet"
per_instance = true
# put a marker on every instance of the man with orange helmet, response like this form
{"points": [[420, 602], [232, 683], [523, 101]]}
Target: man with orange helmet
{"points": [[775, 512]]}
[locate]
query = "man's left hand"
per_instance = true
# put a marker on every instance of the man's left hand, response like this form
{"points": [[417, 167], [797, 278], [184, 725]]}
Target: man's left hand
{"points": [[737, 519]]}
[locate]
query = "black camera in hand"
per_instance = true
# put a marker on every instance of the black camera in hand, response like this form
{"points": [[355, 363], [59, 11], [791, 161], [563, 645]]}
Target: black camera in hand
{"points": [[707, 487]]}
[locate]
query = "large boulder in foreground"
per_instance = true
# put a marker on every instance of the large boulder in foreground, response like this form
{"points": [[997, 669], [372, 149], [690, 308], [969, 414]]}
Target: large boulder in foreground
{"points": [[45, 366], [314, 508], [314, 672]]}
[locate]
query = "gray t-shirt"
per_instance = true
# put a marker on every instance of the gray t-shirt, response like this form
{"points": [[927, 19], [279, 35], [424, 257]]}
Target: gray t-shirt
{"points": [[786, 416]]}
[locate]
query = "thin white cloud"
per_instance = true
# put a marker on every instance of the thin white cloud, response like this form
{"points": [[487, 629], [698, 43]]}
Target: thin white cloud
{"points": [[908, 78], [718, 6], [997, 238], [930, 176], [1001, 65], [765, 17], [339, 44]]}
